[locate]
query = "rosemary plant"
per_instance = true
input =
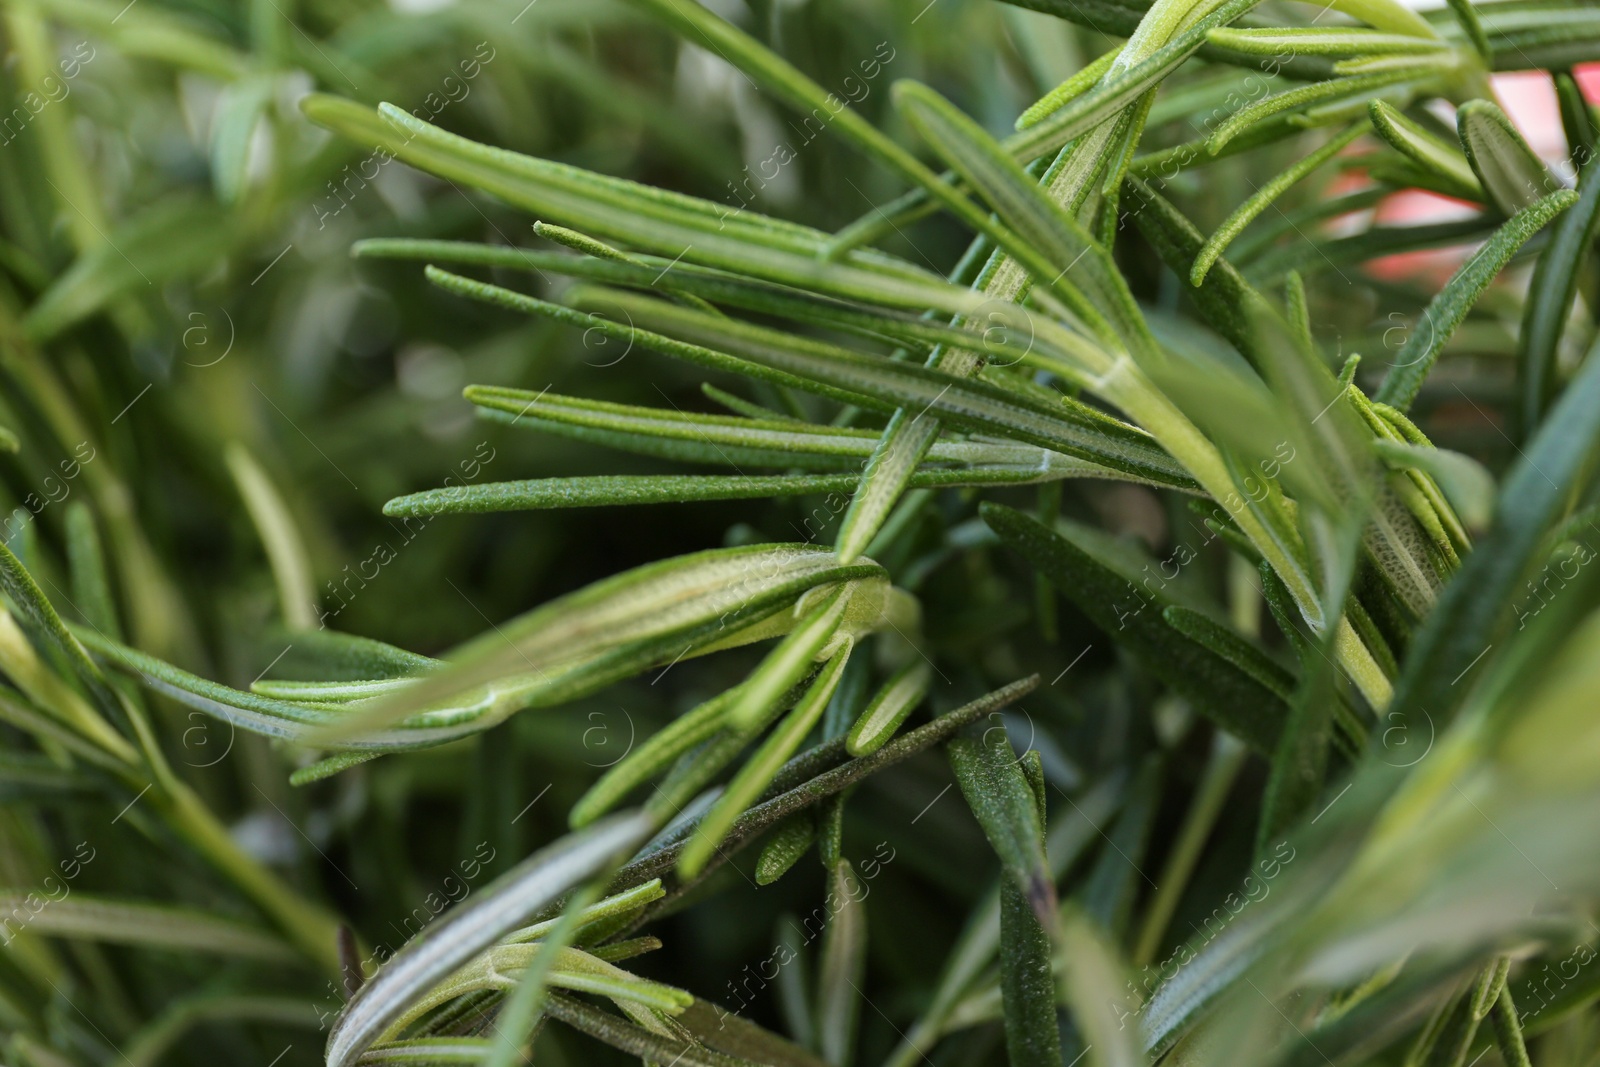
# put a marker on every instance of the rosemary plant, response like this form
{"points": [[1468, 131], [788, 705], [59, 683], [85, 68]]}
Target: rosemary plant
{"points": [[1111, 546]]}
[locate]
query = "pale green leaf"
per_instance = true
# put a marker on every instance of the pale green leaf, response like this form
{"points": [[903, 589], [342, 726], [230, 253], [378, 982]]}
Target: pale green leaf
{"points": [[842, 966], [535, 883], [286, 550], [888, 708], [127, 922], [676, 608], [1093, 967]]}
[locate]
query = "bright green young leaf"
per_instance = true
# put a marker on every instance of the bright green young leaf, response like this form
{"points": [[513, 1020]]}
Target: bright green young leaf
{"points": [[792, 659], [764, 765], [888, 709], [279, 535]]}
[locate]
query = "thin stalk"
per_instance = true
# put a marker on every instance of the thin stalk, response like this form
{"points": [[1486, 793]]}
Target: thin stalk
{"points": [[1222, 770], [312, 929], [809, 779], [1124, 385], [145, 770]]}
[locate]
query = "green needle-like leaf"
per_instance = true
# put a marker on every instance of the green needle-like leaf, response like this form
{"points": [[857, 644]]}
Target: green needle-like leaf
{"points": [[764, 764], [783, 850], [1027, 979], [1305, 96], [1300, 765], [675, 608], [1577, 120], [614, 490], [842, 966], [999, 795], [1321, 41], [1093, 965], [1447, 310], [636, 1040], [1486, 991], [888, 709], [1508, 1030], [1469, 487], [655, 755], [635, 216], [1128, 609], [285, 547], [790, 661], [1076, 85], [1130, 78], [1070, 426], [1550, 297], [535, 883], [1232, 647], [1510, 172], [1263, 198], [1084, 276], [1447, 168], [1467, 15], [1475, 609], [148, 925]]}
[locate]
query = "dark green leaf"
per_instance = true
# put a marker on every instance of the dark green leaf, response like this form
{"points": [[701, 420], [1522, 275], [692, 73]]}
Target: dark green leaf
{"points": [[1131, 615], [791, 840], [1550, 297], [999, 795], [1446, 311]]}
